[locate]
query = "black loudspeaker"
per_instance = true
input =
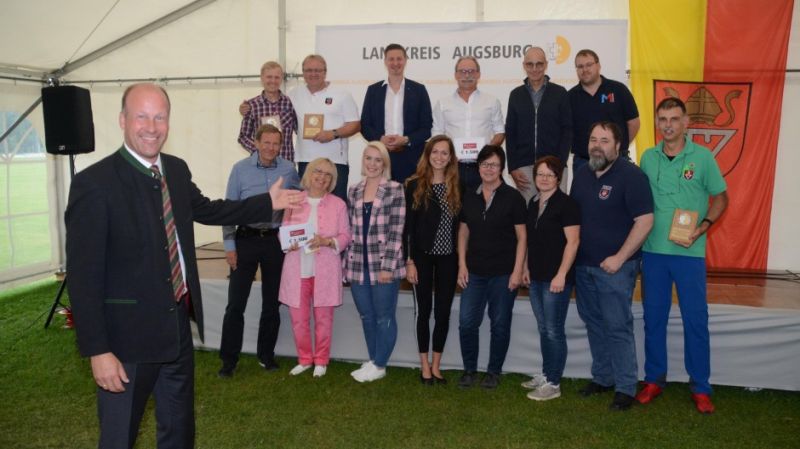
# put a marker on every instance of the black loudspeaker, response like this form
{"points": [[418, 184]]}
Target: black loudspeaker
{"points": [[68, 125]]}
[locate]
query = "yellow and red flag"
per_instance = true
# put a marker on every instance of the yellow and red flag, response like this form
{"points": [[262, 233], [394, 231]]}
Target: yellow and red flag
{"points": [[726, 59]]}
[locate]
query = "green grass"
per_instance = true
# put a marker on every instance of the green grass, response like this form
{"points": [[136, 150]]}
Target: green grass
{"points": [[47, 401], [27, 183]]}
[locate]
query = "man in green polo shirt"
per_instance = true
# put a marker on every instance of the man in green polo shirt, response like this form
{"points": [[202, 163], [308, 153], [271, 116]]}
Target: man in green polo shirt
{"points": [[682, 175]]}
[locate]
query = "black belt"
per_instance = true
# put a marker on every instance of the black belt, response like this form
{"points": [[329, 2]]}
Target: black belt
{"points": [[246, 231]]}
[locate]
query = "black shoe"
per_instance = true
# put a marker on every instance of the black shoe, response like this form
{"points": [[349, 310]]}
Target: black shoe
{"points": [[490, 381], [226, 371], [621, 402], [468, 379], [425, 380], [269, 365], [593, 388], [439, 380]]}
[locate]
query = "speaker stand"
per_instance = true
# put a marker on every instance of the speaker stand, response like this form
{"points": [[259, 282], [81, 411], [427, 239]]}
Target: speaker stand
{"points": [[57, 300]]}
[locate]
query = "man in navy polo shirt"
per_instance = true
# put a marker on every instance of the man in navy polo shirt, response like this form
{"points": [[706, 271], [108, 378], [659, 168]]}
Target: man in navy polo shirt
{"points": [[597, 98], [616, 215]]}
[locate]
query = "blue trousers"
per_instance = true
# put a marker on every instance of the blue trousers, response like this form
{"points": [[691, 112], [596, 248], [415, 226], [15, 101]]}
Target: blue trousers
{"points": [[604, 304], [659, 272], [550, 310], [377, 304], [480, 291]]}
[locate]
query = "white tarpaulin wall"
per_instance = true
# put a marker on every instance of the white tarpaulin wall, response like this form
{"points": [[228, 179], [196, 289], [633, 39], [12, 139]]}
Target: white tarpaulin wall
{"points": [[234, 37]]}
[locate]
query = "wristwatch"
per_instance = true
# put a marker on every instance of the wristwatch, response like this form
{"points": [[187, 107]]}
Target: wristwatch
{"points": [[336, 134]]}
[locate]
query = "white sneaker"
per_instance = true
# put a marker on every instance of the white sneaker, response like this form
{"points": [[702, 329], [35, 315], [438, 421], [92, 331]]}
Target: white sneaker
{"points": [[364, 367], [299, 369], [371, 373], [545, 392], [536, 381], [320, 370]]}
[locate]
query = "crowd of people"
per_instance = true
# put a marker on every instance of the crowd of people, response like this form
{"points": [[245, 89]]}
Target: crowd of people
{"points": [[432, 207]]}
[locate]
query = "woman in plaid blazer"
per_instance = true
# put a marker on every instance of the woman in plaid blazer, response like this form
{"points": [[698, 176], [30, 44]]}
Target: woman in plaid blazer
{"points": [[374, 261]]}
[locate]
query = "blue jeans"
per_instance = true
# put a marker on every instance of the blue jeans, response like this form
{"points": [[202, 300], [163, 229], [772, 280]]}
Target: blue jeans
{"points": [[377, 303], [659, 271], [480, 291], [342, 173], [604, 304], [550, 310]]}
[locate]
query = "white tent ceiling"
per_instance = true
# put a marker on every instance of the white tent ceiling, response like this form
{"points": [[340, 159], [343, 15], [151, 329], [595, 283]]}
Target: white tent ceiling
{"points": [[42, 35]]}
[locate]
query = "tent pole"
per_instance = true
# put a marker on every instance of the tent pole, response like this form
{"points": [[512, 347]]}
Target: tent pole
{"points": [[20, 119], [128, 38], [282, 26]]}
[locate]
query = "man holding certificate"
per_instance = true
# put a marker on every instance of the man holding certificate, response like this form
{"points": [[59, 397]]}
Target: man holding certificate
{"points": [[326, 117], [683, 177], [471, 118]]}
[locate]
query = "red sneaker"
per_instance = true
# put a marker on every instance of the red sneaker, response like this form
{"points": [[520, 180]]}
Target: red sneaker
{"points": [[703, 403], [648, 393]]}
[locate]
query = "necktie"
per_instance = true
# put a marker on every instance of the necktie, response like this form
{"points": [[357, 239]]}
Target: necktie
{"points": [[176, 276]]}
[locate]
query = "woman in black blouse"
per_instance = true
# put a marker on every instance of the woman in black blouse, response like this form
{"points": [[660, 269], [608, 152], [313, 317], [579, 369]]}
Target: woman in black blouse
{"points": [[433, 200], [553, 234]]}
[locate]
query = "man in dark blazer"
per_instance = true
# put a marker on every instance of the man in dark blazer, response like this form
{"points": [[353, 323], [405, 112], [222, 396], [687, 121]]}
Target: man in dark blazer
{"points": [[131, 318], [404, 122], [538, 123]]}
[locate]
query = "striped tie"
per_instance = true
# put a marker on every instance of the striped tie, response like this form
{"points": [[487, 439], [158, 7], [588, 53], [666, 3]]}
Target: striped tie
{"points": [[176, 277]]}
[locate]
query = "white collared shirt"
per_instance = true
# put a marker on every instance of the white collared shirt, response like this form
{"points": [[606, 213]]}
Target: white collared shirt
{"points": [[481, 116], [393, 109]]}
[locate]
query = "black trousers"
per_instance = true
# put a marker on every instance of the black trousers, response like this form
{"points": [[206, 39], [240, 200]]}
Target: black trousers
{"points": [[437, 279], [252, 252], [171, 384]]}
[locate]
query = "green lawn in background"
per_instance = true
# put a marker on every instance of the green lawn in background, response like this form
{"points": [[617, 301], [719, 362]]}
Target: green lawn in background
{"points": [[47, 401], [27, 184]]}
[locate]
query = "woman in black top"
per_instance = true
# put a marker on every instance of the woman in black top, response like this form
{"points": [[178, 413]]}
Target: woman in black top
{"points": [[491, 259], [553, 227], [433, 200]]}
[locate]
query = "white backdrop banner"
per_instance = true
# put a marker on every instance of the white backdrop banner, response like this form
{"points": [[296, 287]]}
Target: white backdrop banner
{"points": [[355, 52], [355, 55]]}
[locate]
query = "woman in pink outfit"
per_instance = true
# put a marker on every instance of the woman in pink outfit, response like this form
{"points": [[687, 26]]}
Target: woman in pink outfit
{"points": [[312, 274]]}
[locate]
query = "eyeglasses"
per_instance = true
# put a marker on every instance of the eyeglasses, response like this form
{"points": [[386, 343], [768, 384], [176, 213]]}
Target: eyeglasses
{"points": [[317, 171], [490, 165], [587, 66], [314, 70], [545, 175], [534, 65], [466, 71]]}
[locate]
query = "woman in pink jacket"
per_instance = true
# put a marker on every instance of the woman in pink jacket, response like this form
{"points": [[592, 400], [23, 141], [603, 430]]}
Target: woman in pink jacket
{"points": [[312, 275]]}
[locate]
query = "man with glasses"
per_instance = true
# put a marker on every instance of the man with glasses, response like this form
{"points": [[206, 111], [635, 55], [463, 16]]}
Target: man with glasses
{"points": [[616, 216], [596, 98], [471, 118], [684, 178], [538, 123], [253, 245], [340, 120]]}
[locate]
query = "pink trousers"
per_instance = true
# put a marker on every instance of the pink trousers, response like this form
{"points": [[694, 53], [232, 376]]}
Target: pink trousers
{"points": [[301, 326]]}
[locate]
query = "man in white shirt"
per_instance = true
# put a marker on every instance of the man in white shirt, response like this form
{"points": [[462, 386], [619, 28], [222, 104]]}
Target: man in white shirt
{"points": [[469, 117], [340, 120]]}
